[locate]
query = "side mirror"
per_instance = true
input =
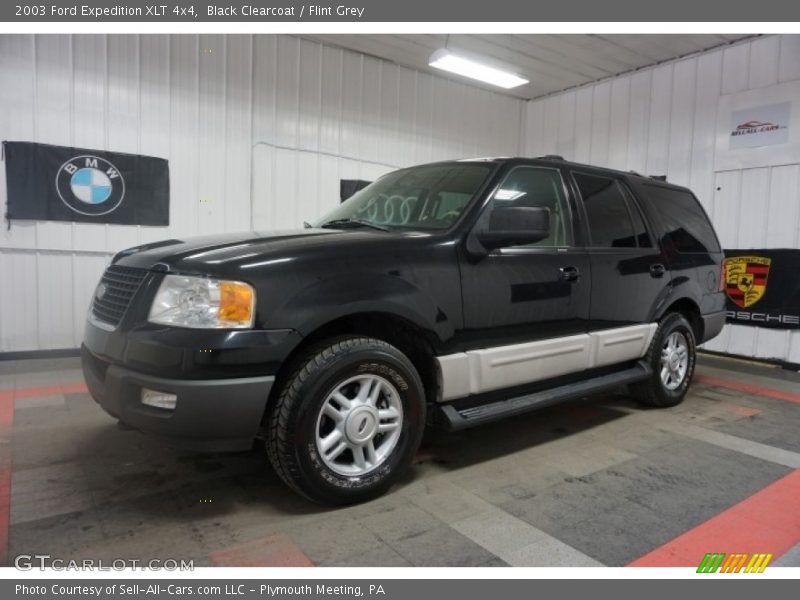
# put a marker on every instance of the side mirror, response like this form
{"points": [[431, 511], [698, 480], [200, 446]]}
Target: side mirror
{"points": [[515, 226]]}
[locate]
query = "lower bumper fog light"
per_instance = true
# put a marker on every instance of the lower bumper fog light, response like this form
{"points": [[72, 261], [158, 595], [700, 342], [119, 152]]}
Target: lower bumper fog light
{"points": [[159, 399]]}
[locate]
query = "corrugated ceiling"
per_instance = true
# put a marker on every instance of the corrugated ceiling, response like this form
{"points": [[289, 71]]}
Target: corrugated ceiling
{"points": [[551, 62]]}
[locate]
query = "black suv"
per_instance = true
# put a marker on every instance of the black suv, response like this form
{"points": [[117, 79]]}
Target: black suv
{"points": [[454, 293]]}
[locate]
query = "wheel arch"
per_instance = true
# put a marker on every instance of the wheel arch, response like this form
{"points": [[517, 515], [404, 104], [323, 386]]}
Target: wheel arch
{"points": [[417, 343], [690, 310]]}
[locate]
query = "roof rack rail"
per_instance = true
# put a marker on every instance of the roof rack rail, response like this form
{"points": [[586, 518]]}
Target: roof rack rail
{"points": [[658, 177], [635, 173], [551, 157]]}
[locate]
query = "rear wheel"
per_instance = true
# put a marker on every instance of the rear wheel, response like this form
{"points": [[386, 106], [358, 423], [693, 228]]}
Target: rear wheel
{"points": [[348, 421], [671, 356]]}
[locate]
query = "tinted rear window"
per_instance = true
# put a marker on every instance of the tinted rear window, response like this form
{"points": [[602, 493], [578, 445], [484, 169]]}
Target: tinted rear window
{"points": [[609, 218], [684, 221]]}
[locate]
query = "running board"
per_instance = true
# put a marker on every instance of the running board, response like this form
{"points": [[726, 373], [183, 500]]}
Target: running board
{"points": [[486, 413]]}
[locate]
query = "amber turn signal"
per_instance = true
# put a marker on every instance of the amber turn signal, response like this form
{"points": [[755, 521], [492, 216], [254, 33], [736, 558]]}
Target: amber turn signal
{"points": [[236, 302]]}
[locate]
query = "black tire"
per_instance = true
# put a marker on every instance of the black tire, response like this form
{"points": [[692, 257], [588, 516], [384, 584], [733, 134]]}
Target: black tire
{"points": [[293, 419], [653, 391]]}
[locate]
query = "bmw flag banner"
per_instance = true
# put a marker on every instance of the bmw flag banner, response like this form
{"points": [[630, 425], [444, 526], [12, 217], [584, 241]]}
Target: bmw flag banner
{"points": [[59, 183]]}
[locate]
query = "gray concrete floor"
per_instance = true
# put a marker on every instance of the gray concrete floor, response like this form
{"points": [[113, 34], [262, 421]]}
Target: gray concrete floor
{"points": [[599, 481]]}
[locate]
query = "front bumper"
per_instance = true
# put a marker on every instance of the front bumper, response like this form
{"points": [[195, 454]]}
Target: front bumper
{"points": [[211, 415]]}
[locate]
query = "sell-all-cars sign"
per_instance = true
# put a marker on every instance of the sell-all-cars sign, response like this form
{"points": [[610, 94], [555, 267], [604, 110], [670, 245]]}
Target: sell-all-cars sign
{"points": [[765, 125]]}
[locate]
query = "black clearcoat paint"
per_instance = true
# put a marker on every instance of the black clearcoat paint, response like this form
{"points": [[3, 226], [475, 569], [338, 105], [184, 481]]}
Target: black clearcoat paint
{"points": [[461, 296]]}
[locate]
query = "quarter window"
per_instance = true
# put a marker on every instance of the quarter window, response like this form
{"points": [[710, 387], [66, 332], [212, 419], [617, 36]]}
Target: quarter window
{"points": [[537, 187], [686, 225]]}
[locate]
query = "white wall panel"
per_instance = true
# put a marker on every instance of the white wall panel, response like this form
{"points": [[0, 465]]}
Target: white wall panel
{"points": [[753, 209], [19, 319], [658, 129], [439, 144], [703, 125], [534, 128], [783, 224], [662, 121], [407, 116], [565, 144], [620, 110], [258, 130], [601, 123], [212, 99], [788, 65], [551, 121], [583, 124], [736, 68], [423, 126], [55, 310], [727, 202], [681, 121], [371, 81], [638, 127], [764, 61]]}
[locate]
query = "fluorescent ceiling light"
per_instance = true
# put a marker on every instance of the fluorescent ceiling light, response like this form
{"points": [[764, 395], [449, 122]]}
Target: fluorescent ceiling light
{"points": [[447, 61], [502, 194]]}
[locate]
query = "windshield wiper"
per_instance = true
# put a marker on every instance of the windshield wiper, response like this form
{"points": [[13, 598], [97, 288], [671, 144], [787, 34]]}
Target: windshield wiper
{"points": [[357, 222]]}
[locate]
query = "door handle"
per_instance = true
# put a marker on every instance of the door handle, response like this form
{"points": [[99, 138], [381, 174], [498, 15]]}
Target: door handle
{"points": [[569, 273], [657, 270]]}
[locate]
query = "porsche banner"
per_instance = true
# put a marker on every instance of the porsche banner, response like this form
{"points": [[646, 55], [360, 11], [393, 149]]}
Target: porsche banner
{"points": [[59, 183], [763, 287]]}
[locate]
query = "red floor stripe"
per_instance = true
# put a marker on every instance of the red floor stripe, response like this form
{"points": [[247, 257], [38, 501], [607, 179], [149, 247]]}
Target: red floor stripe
{"points": [[6, 423], [768, 521], [5, 508], [7, 398], [744, 411], [748, 388], [49, 390], [272, 551]]}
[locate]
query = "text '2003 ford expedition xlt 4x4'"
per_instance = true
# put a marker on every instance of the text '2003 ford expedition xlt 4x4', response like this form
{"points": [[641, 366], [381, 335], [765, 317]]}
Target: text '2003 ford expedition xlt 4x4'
{"points": [[457, 292]]}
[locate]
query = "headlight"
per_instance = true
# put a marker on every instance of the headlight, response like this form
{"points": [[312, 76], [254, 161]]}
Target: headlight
{"points": [[203, 303]]}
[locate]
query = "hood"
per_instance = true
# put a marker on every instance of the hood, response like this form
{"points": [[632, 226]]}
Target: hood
{"points": [[217, 253]]}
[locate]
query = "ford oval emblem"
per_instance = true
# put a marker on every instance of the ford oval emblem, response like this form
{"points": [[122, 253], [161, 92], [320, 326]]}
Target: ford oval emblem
{"points": [[100, 291]]}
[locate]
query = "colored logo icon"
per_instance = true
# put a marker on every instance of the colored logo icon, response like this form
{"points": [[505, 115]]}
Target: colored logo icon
{"points": [[90, 185], [746, 279], [719, 562]]}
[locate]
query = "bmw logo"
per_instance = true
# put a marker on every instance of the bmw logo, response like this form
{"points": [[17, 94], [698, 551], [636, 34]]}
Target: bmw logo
{"points": [[90, 185]]}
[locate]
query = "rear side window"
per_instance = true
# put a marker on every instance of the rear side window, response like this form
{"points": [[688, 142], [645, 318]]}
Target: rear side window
{"points": [[610, 220], [685, 224]]}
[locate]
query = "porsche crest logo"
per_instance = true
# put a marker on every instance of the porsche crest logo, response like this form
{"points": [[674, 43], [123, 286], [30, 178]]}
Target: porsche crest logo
{"points": [[746, 279]]}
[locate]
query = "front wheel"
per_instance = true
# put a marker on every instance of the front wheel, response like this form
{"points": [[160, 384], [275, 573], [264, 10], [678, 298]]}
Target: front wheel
{"points": [[671, 356], [348, 421]]}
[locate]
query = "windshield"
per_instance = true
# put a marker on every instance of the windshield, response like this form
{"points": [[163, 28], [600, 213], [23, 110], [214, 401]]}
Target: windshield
{"points": [[427, 197]]}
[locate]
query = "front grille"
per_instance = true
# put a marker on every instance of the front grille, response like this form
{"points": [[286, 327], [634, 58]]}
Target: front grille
{"points": [[121, 284]]}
